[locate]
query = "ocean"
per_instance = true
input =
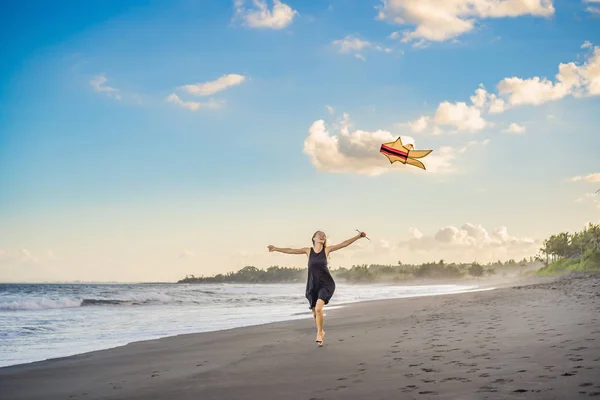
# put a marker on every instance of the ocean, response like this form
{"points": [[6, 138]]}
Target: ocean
{"points": [[43, 321]]}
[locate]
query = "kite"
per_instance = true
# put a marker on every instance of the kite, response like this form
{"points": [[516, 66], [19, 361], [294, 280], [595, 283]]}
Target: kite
{"points": [[396, 151]]}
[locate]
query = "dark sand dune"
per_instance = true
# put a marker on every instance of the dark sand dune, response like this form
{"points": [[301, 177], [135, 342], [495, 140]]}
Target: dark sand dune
{"points": [[539, 341]]}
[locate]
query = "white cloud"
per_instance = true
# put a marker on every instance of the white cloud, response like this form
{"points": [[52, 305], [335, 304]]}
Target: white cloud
{"points": [[420, 124], [330, 109], [195, 105], [470, 242], [575, 80], [459, 115], [515, 128], [280, 16], [441, 20], [352, 44], [593, 197], [479, 98], [415, 233], [571, 80], [534, 90], [212, 87], [98, 83], [18, 257], [484, 142], [592, 9], [358, 152], [595, 177], [497, 105]]}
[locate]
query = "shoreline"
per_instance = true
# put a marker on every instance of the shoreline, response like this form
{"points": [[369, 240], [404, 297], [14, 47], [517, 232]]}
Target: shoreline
{"points": [[533, 340], [305, 313]]}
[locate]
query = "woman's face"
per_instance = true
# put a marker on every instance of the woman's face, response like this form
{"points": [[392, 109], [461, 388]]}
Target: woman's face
{"points": [[320, 237]]}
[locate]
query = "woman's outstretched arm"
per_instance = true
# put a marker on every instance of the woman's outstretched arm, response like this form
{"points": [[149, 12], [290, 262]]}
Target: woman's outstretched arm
{"points": [[345, 243], [287, 250]]}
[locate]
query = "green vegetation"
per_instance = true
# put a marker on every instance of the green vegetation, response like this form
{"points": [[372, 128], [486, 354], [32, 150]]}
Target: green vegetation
{"points": [[250, 274], [369, 273], [476, 270], [568, 252], [561, 253]]}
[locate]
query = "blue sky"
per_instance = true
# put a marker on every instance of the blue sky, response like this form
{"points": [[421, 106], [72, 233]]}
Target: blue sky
{"points": [[103, 178]]}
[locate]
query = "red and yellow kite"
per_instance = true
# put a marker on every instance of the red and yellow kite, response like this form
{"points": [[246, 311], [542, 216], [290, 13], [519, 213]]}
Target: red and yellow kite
{"points": [[396, 151]]}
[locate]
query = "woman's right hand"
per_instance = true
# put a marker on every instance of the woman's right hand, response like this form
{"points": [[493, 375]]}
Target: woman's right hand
{"points": [[271, 247]]}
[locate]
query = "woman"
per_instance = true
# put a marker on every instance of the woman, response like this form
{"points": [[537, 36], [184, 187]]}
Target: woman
{"points": [[319, 285]]}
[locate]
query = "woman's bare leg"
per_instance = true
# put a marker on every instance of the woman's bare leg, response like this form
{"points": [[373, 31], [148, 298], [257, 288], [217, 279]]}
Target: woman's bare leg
{"points": [[314, 311], [319, 319]]}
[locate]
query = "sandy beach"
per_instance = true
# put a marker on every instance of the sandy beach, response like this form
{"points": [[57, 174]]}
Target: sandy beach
{"points": [[532, 341]]}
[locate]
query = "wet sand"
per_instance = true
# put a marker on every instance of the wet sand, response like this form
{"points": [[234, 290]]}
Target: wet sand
{"points": [[538, 341]]}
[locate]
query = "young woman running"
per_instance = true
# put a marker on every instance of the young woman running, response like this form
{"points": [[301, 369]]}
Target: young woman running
{"points": [[319, 284]]}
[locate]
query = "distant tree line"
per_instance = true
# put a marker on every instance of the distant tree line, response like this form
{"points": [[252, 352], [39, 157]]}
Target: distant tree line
{"points": [[363, 273], [569, 250], [251, 274]]}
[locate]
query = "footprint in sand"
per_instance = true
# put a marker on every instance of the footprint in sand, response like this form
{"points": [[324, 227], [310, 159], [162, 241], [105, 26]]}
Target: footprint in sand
{"points": [[502, 380], [547, 376], [408, 388], [464, 380]]}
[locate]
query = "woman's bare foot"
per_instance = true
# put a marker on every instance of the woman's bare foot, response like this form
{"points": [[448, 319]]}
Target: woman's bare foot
{"points": [[320, 338]]}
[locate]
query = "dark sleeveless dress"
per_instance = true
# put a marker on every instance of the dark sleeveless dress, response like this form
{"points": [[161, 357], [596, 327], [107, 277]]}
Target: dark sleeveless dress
{"points": [[320, 284]]}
